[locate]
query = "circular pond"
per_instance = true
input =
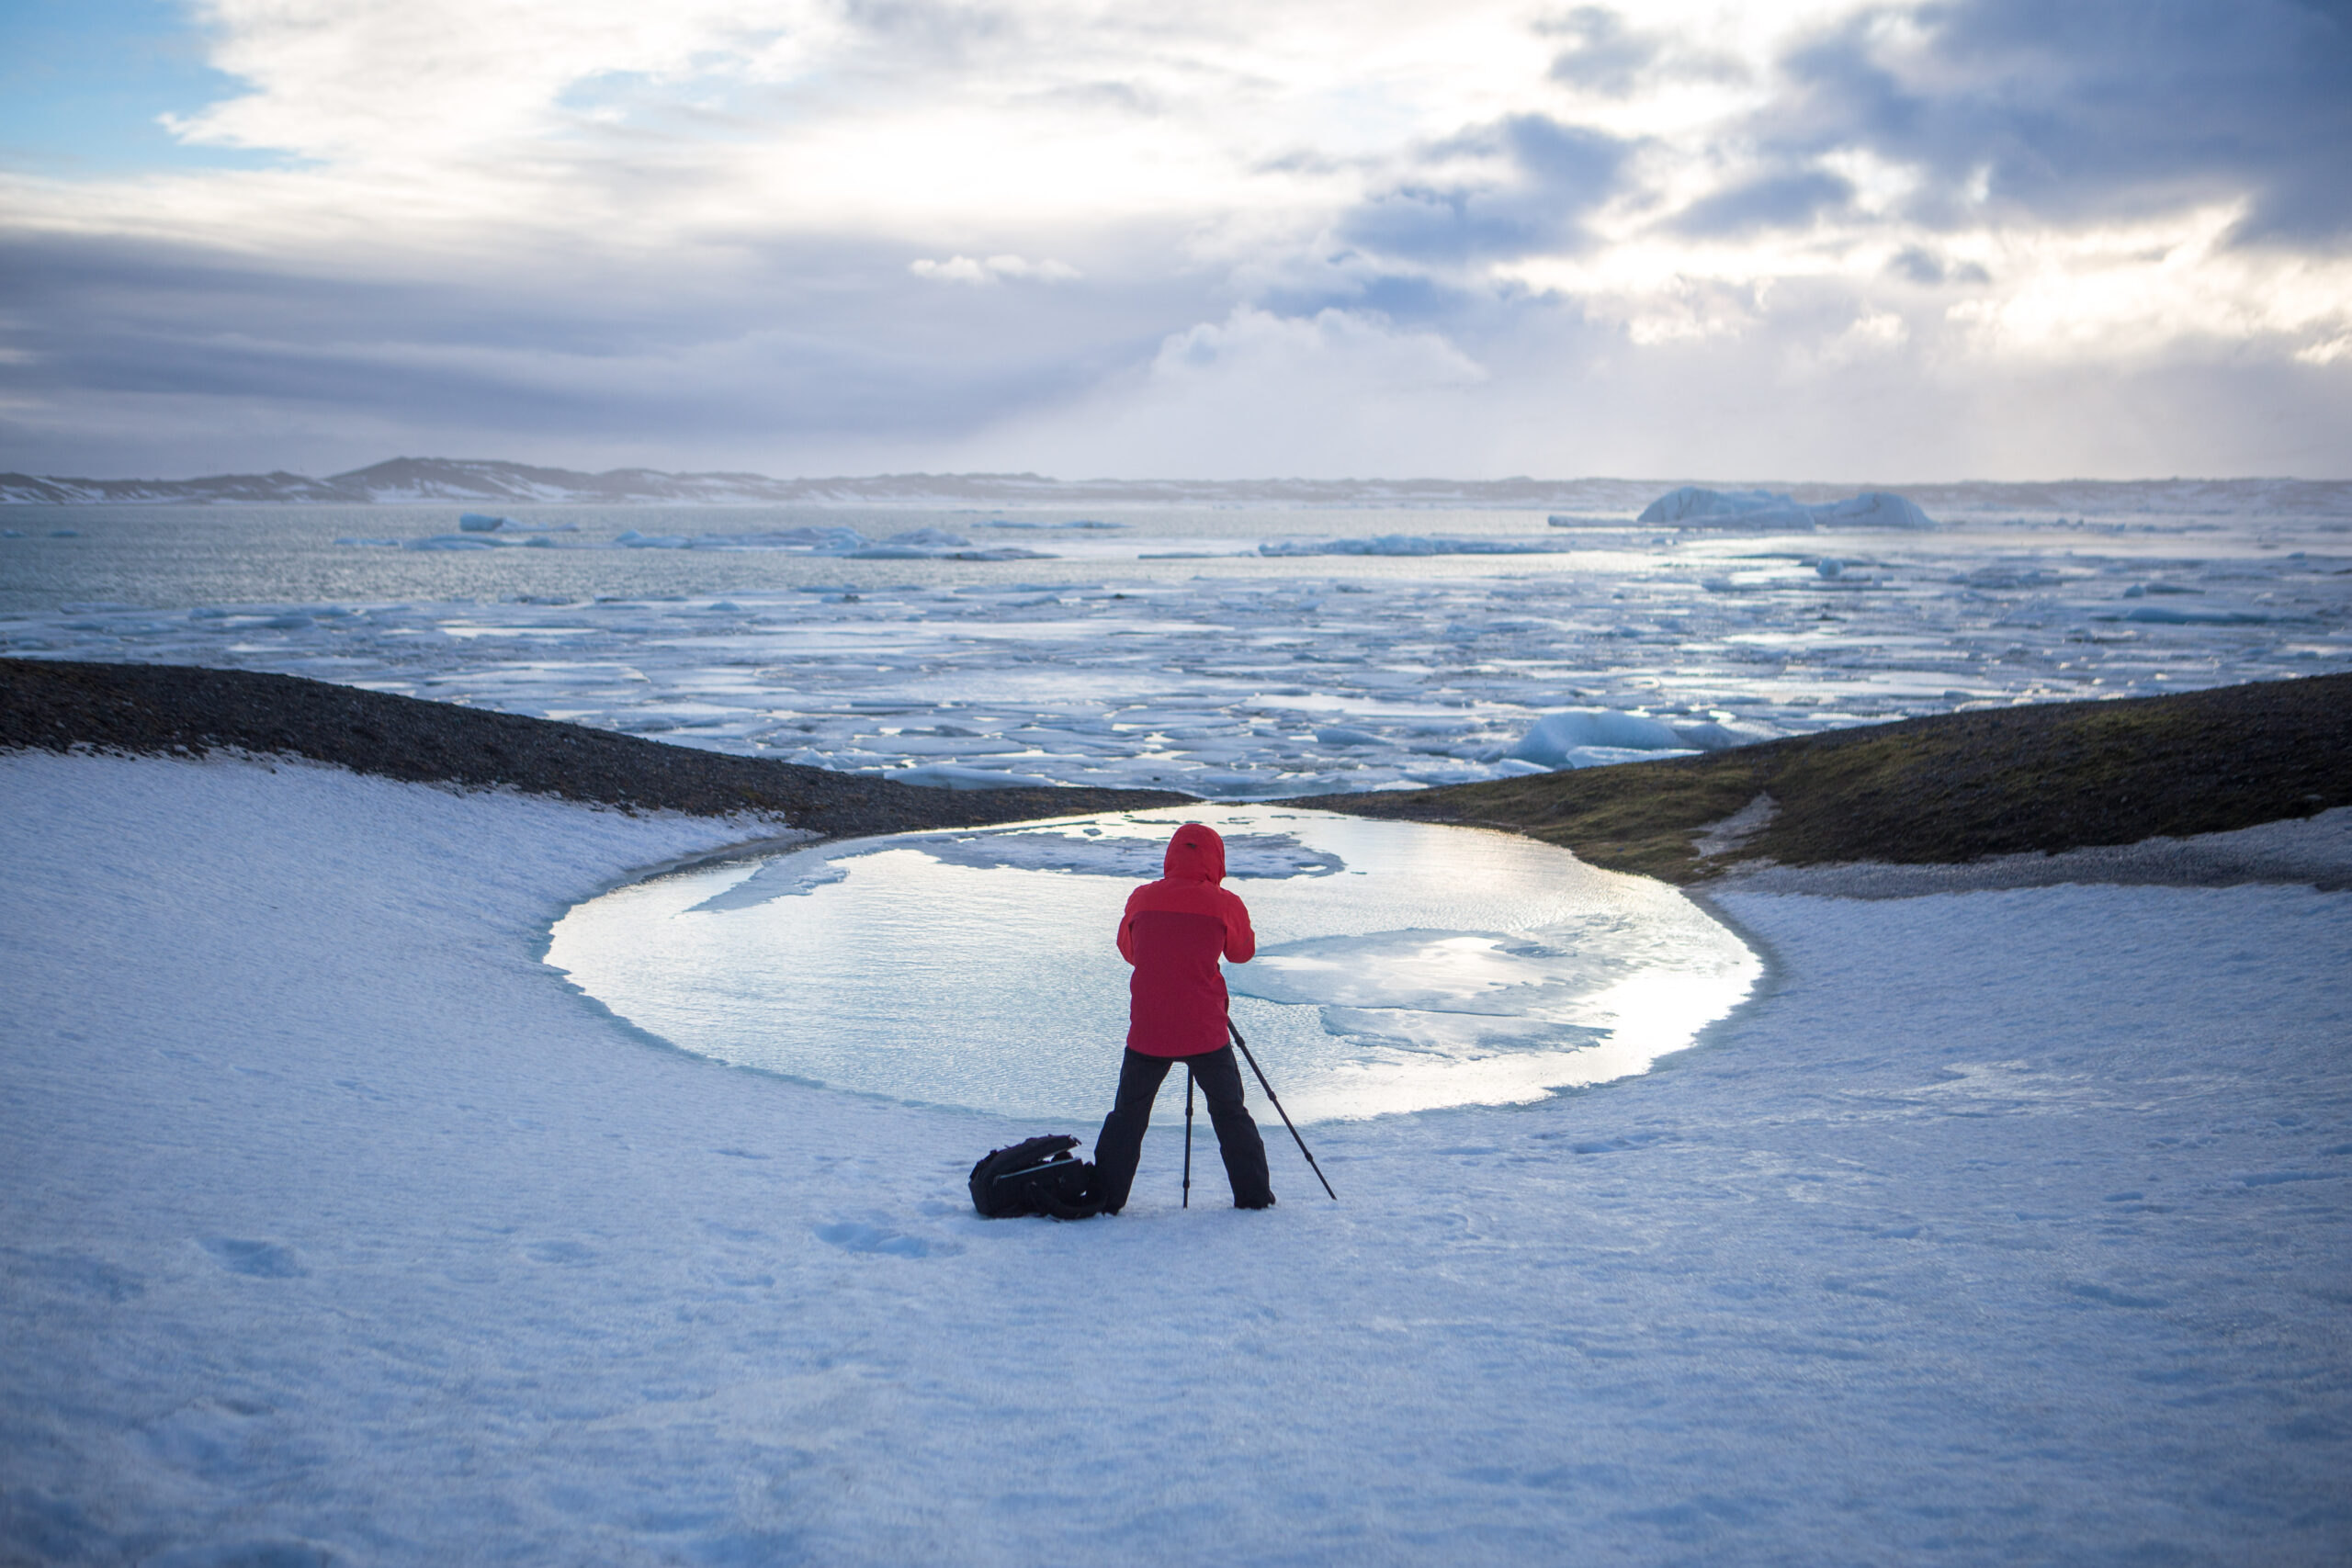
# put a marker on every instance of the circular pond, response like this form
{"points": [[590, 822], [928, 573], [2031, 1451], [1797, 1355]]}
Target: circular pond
{"points": [[1400, 966]]}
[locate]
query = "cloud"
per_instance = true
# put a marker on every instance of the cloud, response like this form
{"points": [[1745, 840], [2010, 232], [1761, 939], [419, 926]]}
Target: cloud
{"points": [[1533, 181], [1363, 237], [2095, 109], [1256, 393], [1602, 55], [995, 269], [1776, 201]]}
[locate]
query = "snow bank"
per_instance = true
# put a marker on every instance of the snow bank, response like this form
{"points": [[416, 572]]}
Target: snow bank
{"points": [[2007, 1227]]}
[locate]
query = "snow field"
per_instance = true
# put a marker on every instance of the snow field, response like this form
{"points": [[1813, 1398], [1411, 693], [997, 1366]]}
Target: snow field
{"points": [[2005, 1226]]}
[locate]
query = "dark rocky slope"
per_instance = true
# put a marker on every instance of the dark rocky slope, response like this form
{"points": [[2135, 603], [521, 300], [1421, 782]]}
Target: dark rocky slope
{"points": [[1945, 790], [164, 708]]}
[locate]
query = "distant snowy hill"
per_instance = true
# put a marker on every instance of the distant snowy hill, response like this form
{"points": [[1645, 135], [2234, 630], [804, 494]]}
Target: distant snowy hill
{"points": [[451, 479]]}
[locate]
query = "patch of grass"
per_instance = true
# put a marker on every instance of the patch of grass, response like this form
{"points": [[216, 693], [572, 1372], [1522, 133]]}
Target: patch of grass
{"points": [[1943, 790]]}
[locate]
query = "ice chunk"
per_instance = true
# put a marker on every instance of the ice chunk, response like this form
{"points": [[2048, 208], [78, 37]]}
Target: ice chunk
{"points": [[1764, 511], [452, 542], [482, 522], [1557, 736], [1871, 509], [1585, 738], [790, 876], [1828, 566], [1692, 502]]}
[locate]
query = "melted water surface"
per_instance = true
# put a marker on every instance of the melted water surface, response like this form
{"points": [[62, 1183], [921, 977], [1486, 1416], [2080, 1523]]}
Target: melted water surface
{"points": [[1400, 966]]}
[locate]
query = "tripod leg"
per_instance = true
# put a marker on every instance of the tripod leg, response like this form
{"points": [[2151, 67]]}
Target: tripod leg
{"points": [[1251, 1058], [1188, 1136]]}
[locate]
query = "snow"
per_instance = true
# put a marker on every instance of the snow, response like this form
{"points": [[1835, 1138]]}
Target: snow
{"points": [[2000, 1227]]}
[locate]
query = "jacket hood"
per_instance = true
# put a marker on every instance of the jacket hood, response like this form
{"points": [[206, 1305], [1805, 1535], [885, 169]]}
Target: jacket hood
{"points": [[1194, 854]]}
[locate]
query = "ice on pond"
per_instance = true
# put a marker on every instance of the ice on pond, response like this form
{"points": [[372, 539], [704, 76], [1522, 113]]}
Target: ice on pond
{"points": [[1401, 966]]}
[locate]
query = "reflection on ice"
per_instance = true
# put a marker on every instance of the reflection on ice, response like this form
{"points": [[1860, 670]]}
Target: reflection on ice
{"points": [[1401, 966]]}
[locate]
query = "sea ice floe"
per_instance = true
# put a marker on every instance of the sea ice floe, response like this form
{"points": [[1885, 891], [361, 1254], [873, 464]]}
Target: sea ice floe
{"points": [[1415, 545], [452, 542]]}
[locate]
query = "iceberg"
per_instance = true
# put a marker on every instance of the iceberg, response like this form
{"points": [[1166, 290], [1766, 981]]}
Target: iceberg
{"points": [[488, 523], [1691, 503], [1871, 509], [1585, 738], [1765, 509]]}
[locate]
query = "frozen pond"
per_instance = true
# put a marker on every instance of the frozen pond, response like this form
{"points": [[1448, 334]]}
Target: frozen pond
{"points": [[1400, 966]]}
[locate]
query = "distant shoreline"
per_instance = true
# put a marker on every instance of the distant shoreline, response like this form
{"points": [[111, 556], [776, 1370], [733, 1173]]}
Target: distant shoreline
{"points": [[1946, 790], [471, 482]]}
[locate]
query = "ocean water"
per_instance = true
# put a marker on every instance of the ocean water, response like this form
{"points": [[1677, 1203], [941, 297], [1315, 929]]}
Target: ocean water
{"points": [[1199, 648], [1401, 967]]}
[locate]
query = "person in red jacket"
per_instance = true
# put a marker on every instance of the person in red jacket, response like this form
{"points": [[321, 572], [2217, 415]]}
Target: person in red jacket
{"points": [[1174, 931]]}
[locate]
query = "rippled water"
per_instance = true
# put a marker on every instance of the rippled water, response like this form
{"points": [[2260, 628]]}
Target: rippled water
{"points": [[1401, 966]]}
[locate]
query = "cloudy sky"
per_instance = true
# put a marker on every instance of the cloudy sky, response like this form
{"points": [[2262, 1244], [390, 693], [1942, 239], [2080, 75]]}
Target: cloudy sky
{"points": [[1196, 238]]}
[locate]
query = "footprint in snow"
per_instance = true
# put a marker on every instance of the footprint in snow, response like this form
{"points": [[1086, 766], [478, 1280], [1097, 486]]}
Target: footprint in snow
{"points": [[256, 1260], [852, 1236]]}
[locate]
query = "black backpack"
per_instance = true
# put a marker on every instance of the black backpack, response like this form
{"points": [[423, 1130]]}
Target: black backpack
{"points": [[1038, 1176]]}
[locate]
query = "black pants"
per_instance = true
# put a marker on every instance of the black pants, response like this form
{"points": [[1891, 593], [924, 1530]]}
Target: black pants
{"points": [[1121, 1144]]}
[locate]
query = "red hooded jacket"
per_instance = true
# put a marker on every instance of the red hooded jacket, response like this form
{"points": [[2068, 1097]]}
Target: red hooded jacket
{"points": [[1173, 932]]}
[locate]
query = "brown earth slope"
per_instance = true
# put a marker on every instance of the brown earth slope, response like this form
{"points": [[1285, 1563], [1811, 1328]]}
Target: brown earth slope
{"points": [[1943, 790], [163, 709]]}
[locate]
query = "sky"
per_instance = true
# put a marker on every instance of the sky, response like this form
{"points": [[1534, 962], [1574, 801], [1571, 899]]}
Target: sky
{"points": [[1987, 239]]}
